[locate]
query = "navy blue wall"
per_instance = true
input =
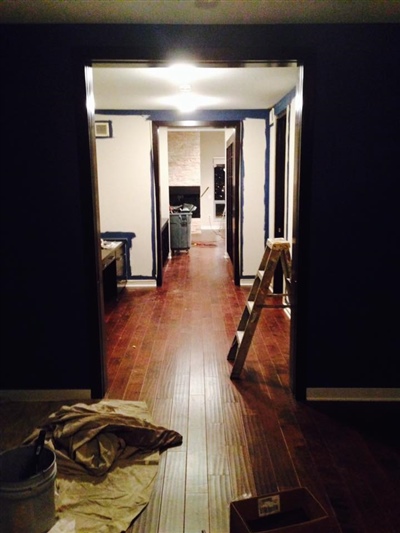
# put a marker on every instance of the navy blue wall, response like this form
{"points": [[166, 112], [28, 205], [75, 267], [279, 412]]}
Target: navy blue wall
{"points": [[349, 173]]}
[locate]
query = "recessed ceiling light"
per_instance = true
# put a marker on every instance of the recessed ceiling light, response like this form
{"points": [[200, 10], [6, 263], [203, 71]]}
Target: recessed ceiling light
{"points": [[183, 73], [187, 102]]}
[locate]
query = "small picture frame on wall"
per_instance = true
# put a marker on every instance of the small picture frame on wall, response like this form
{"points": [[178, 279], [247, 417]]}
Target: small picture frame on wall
{"points": [[103, 129]]}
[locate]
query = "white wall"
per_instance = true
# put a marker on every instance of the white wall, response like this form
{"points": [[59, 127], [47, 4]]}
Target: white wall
{"points": [[125, 198], [164, 175], [254, 152], [212, 144], [124, 179]]}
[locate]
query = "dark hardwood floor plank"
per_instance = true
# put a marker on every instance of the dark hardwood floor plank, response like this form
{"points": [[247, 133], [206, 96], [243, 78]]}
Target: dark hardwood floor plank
{"points": [[196, 469], [196, 513], [264, 473], [369, 493], [213, 399], [172, 514], [217, 451], [179, 419], [220, 496], [240, 472], [281, 460]]}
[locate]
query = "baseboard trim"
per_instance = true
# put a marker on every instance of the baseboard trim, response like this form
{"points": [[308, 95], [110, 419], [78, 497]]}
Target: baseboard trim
{"points": [[353, 394], [45, 395], [143, 283]]}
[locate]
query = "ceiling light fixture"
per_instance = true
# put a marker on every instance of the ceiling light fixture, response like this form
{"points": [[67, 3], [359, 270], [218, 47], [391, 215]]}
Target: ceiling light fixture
{"points": [[186, 101], [182, 75], [183, 72]]}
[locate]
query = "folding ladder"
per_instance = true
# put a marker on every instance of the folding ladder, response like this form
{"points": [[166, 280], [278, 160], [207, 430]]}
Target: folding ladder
{"points": [[276, 249]]}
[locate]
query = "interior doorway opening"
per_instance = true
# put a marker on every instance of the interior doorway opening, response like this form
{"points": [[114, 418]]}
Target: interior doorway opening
{"points": [[238, 243], [163, 183]]}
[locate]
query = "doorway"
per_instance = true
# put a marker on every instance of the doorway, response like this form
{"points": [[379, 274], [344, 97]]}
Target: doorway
{"points": [[233, 206], [232, 211]]}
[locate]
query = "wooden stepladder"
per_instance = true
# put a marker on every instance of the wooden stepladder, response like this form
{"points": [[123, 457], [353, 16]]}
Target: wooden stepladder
{"points": [[276, 249]]}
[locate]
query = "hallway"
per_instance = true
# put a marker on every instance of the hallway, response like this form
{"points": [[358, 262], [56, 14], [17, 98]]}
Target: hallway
{"points": [[168, 347]]}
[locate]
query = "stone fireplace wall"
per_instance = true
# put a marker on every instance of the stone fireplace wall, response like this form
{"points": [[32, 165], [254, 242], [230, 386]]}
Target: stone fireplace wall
{"points": [[184, 163]]}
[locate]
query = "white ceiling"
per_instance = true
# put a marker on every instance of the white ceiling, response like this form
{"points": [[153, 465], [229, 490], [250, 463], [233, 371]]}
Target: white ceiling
{"points": [[199, 11], [255, 87]]}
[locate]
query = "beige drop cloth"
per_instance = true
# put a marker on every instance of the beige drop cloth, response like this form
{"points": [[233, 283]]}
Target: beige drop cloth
{"points": [[107, 460]]}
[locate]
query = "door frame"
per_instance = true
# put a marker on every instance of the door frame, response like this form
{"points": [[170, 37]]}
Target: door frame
{"points": [[83, 65], [280, 207], [235, 214], [233, 206]]}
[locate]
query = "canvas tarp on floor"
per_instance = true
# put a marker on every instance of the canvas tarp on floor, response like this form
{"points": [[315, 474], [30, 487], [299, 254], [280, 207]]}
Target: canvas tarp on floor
{"points": [[107, 460]]}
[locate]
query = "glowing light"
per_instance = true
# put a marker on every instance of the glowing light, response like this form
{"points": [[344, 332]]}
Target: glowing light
{"points": [[184, 76], [187, 102], [90, 103], [182, 72]]}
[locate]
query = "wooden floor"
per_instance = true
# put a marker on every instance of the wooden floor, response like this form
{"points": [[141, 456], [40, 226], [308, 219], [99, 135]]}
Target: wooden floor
{"points": [[246, 437]]}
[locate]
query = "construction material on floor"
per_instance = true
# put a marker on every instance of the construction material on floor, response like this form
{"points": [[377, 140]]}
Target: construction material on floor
{"points": [[107, 455]]}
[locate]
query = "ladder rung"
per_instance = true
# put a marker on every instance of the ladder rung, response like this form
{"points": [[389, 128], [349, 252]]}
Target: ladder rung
{"points": [[239, 336], [250, 305]]}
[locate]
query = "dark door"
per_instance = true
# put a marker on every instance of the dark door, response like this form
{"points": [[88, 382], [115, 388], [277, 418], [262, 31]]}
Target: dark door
{"points": [[280, 179], [232, 202], [229, 198]]}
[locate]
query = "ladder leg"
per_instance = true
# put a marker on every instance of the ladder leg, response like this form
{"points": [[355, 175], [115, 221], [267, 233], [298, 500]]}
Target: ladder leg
{"points": [[242, 326], [244, 346], [233, 349], [287, 270]]}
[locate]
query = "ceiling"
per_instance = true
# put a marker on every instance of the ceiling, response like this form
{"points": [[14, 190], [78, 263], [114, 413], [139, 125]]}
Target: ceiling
{"points": [[143, 88], [199, 11], [137, 88]]}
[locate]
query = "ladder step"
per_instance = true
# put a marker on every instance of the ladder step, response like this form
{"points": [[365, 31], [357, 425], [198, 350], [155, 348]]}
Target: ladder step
{"points": [[250, 306], [239, 336]]}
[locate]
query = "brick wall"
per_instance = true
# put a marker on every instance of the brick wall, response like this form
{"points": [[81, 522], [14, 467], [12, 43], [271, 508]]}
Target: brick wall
{"points": [[184, 158]]}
